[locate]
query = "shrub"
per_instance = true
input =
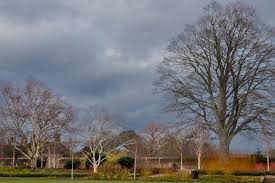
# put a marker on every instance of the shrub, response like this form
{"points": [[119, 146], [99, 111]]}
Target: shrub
{"points": [[110, 171], [146, 172], [126, 162], [68, 164], [114, 157], [260, 158], [252, 173]]}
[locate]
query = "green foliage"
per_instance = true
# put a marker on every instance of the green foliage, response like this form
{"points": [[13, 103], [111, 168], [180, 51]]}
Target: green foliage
{"points": [[259, 157], [126, 162], [128, 135], [68, 164]]}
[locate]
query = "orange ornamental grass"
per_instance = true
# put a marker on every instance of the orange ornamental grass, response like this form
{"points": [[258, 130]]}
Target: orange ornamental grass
{"points": [[234, 163]]}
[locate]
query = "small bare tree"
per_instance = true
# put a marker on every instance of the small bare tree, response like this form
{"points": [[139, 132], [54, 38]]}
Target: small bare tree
{"points": [[180, 138], [2, 143], [200, 136], [221, 69], [154, 135], [102, 131], [266, 139], [31, 116]]}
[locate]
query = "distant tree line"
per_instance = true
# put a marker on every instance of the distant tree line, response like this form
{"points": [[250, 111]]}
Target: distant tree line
{"points": [[35, 121]]}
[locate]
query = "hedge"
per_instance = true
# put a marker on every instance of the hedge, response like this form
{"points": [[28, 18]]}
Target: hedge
{"points": [[18, 172]]}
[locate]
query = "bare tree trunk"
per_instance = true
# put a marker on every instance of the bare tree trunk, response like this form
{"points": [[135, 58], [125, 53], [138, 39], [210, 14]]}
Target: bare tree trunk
{"points": [[49, 158], [54, 155], [135, 165], [95, 168], [181, 162], [72, 170], [13, 157], [267, 160], [199, 160], [41, 158], [224, 148], [13, 153], [33, 162], [159, 161], [2, 153], [41, 162]]}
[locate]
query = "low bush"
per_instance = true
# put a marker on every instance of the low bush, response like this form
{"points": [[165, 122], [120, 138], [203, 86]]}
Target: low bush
{"points": [[126, 162], [252, 173], [259, 157], [146, 172], [154, 171], [110, 171], [113, 157], [68, 164]]}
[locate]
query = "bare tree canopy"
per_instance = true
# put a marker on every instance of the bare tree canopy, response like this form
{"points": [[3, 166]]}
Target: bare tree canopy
{"points": [[102, 131], [221, 68], [31, 116], [154, 136]]}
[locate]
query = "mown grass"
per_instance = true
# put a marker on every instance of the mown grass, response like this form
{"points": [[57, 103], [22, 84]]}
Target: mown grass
{"points": [[19, 175], [208, 179], [58, 180]]}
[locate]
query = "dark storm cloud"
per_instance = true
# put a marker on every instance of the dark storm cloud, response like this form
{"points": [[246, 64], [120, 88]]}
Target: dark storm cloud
{"points": [[97, 52]]}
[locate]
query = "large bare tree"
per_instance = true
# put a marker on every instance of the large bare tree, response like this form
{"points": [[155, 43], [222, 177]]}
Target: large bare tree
{"points": [[31, 116], [221, 68]]}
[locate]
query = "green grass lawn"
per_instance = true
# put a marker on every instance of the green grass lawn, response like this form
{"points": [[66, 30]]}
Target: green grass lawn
{"points": [[66, 180], [207, 179], [19, 175]]}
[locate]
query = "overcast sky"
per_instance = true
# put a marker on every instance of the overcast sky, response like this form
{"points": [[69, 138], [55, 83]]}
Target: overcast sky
{"points": [[98, 51]]}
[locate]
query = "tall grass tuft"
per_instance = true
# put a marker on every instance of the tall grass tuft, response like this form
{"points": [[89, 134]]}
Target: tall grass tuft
{"points": [[232, 164]]}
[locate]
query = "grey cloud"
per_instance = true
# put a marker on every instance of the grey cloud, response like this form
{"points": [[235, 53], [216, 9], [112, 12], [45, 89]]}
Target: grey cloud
{"points": [[97, 52]]}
